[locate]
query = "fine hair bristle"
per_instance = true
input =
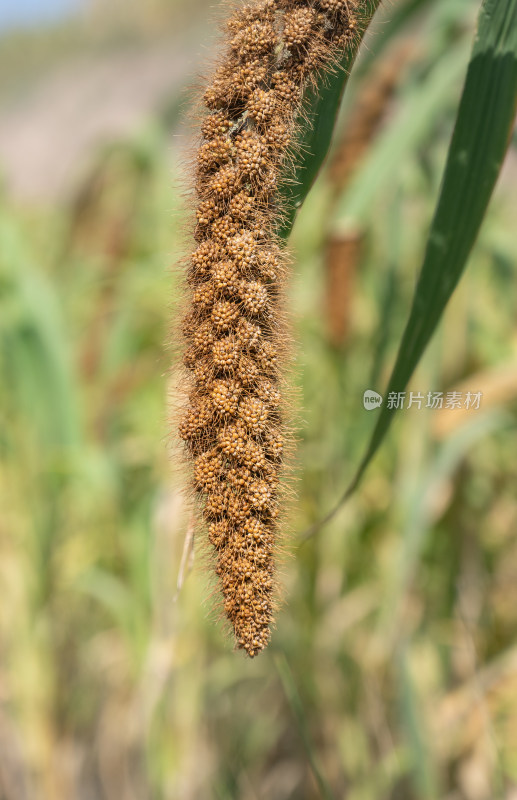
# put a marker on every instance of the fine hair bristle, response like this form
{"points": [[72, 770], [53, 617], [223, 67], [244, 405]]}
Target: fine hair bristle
{"points": [[235, 424]]}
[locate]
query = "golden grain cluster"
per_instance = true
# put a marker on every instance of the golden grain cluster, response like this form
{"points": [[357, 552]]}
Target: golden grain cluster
{"points": [[234, 426]]}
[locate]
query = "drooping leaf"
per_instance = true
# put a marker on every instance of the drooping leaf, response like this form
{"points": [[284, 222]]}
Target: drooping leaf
{"points": [[321, 110], [322, 104], [481, 138]]}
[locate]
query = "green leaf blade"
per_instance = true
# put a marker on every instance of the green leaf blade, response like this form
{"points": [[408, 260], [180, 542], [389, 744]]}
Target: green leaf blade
{"points": [[479, 144], [480, 140], [316, 129]]}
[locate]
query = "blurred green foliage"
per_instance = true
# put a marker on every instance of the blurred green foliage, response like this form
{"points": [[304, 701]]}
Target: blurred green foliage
{"points": [[393, 669]]}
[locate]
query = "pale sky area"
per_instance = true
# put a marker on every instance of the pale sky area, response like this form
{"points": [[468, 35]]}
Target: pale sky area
{"points": [[18, 13]]}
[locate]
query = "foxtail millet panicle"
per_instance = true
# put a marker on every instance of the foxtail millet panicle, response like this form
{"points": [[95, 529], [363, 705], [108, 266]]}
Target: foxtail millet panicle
{"points": [[234, 426]]}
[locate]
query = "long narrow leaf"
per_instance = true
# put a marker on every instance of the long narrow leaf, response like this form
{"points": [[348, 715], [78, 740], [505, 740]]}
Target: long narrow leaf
{"points": [[322, 105], [476, 154], [321, 110]]}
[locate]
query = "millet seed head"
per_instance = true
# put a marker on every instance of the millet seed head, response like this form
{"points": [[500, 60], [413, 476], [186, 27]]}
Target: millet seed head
{"points": [[298, 26], [255, 39], [242, 207], [214, 153], [203, 259], [224, 315], [249, 13], [262, 105], [232, 439], [224, 228], [268, 393], [218, 533], [242, 250], [225, 278], [207, 211], [203, 296], [215, 506], [254, 413], [259, 494], [248, 334], [252, 156], [225, 396], [238, 506], [203, 338], [254, 296], [253, 456], [224, 184], [225, 353], [233, 330], [195, 419], [216, 125], [208, 469]]}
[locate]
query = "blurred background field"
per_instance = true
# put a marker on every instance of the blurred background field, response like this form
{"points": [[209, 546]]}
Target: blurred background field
{"points": [[392, 673]]}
